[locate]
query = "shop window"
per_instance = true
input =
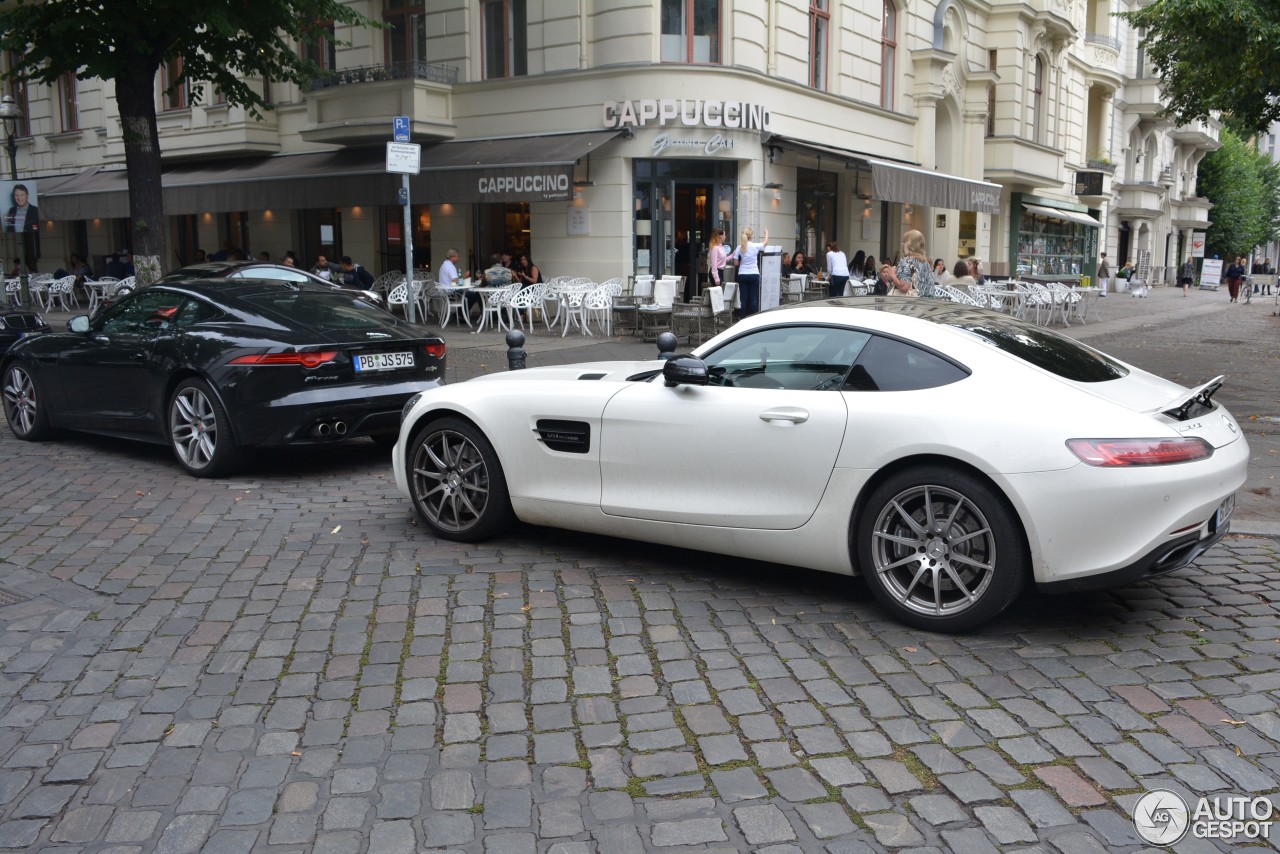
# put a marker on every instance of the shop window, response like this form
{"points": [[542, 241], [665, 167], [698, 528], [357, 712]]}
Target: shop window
{"points": [[1050, 247], [506, 50], [819, 23], [888, 55], [67, 101], [691, 31], [815, 212], [406, 31], [174, 93]]}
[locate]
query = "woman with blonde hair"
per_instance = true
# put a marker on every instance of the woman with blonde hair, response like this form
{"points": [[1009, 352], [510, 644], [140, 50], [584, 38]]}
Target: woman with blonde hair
{"points": [[747, 254], [914, 267]]}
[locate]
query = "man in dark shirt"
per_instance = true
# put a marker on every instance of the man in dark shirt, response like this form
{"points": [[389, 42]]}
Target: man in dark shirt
{"points": [[355, 276]]}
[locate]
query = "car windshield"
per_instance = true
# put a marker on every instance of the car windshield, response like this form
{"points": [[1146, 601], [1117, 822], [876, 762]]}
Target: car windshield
{"points": [[1043, 348], [324, 312]]}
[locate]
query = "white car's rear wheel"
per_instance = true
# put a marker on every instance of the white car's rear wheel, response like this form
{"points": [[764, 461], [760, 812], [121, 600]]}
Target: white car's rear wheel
{"points": [[457, 483], [940, 549]]}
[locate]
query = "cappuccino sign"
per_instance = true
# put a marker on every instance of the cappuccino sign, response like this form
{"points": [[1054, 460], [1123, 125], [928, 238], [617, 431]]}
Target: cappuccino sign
{"points": [[682, 112]]}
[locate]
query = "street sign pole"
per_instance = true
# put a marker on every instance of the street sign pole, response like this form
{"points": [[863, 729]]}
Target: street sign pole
{"points": [[408, 250]]}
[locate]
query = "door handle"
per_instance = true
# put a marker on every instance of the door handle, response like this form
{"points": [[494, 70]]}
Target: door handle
{"points": [[788, 414]]}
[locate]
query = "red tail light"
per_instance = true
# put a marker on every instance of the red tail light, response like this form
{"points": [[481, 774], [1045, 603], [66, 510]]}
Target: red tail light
{"points": [[1113, 453], [435, 351], [306, 360]]}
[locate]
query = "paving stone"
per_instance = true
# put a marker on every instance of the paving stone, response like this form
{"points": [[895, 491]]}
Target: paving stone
{"points": [[739, 784], [796, 785], [826, 820], [693, 831], [893, 830], [1070, 786], [894, 777], [763, 824], [970, 787], [1006, 824], [938, 809]]}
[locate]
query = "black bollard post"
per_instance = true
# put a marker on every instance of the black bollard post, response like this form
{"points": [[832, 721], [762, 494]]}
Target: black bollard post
{"points": [[667, 344], [515, 350]]}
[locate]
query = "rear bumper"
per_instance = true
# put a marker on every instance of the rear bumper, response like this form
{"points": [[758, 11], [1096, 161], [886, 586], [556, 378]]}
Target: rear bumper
{"points": [[293, 420]]}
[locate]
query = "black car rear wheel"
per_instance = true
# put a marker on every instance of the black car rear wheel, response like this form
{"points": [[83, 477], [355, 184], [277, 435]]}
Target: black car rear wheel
{"points": [[940, 549], [200, 432], [457, 483], [24, 405]]}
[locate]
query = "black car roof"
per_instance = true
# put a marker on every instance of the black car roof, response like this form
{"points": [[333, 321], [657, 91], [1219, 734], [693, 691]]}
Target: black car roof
{"points": [[217, 290]]}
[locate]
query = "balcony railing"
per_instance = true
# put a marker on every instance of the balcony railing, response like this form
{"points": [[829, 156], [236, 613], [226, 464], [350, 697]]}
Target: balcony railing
{"points": [[1099, 38], [394, 71]]}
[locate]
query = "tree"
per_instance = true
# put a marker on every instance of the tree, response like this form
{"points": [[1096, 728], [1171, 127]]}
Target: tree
{"points": [[1212, 55], [220, 43], [1241, 184]]}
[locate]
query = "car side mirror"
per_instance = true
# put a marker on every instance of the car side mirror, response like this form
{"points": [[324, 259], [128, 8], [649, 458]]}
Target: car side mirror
{"points": [[79, 323], [684, 370]]}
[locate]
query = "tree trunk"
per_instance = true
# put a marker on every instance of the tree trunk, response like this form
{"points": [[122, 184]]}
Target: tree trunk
{"points": [[135, 96]]}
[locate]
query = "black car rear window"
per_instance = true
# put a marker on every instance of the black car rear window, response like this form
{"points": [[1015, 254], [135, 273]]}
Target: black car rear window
{"points": [[323, 312], [1041, 347]]}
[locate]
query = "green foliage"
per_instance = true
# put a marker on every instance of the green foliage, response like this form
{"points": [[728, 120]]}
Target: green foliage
{"points": [[1242, 184], [221, 42], [1215, 55]]}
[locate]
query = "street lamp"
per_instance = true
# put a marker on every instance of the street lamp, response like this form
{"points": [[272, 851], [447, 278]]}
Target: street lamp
{"points": [[10, 112]]}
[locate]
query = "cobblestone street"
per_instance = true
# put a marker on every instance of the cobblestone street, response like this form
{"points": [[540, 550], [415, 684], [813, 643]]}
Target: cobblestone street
{"points": [[286, 662]]}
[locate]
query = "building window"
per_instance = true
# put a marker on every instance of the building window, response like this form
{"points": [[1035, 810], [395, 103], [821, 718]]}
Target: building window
{"points": [[819, 23], [67, 101], [322, 51], [888, 51], [1140, 57], [506, 50], [1037, 102], [406, 31], [173, 86], [18, 89], [691, 31], [992, 58]]}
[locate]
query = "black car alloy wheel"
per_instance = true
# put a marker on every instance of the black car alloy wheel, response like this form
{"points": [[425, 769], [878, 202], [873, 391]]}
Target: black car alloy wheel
{"points": [[457, 482], [939, 549], [199, 430], [23, 405]]}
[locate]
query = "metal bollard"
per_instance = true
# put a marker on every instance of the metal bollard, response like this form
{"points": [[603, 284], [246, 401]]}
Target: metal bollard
{"points": [[515, 350], [667, 344]]}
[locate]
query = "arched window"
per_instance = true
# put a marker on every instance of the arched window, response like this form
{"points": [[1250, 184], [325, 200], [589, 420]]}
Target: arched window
{"points": [[1037, 102], [888, 51]]}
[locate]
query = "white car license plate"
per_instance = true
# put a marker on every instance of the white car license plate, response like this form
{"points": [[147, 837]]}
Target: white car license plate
{"points": [[1225, 509], [382, 361]]}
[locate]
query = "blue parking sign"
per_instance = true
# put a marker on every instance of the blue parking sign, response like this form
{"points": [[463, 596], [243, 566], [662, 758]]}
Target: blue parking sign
{"points": [[400, 128]]}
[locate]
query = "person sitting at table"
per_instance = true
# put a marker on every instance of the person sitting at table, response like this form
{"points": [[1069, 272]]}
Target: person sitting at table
{"points": [[870, 270], [800, 265], [498, 274], [786, 264], [960, 276], [940, 274], [322, 268], [355, 276], [527, 272]]}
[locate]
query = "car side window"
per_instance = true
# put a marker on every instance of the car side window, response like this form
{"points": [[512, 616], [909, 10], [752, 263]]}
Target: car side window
{"points": [[195, 311], [146, 312], [799, 358], [887, 364]]}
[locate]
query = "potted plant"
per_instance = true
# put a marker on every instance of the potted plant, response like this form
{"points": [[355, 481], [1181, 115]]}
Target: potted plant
{"points": [[1100, 161]]}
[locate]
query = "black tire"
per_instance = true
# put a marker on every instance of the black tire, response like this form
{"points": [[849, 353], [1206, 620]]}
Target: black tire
{"points": [[200, 432], [24, 404], [941, 549], [457, 483]]}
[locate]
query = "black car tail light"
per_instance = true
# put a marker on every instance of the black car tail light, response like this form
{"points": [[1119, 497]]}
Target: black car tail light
{"points": [[1112, 453], [435, 350], [306, 360]]}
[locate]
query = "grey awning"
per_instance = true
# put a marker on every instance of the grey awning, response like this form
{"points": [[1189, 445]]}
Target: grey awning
{"points": [[1069, 216], [517, 169], [906, 183]]}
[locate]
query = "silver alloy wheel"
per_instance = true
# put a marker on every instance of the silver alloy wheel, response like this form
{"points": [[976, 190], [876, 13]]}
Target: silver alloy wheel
{"points": [[20, 399], [193, 427], [450, 480], [934, 550]]}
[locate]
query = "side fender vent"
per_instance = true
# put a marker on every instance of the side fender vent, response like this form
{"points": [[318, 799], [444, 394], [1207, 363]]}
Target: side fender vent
{"points": [[592, 376], [571, 437]]}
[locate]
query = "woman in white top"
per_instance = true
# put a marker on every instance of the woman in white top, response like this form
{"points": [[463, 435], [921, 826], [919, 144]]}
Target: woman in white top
{"points": [[837, 270], [940, 274], [747, 254], [718, 256]]}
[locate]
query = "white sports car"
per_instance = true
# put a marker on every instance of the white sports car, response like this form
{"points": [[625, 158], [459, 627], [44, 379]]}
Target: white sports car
{"points": [[948, 454]]}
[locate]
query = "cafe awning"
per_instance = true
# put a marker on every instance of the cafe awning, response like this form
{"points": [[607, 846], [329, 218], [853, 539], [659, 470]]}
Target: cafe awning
{"points": [[1058, 213], [514, 169], [907, 183]]}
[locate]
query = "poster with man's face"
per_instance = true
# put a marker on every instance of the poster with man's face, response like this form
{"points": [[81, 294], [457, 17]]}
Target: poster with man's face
{"points": [[19, 206]]}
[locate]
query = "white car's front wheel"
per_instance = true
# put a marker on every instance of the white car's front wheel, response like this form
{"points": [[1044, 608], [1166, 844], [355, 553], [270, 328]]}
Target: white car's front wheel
{"points": [[941, 549], [456, 482]]}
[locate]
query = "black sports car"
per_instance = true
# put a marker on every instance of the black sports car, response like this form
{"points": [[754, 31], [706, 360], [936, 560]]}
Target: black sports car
{"points": [[19, 323], [263, 270], [212, 368]]}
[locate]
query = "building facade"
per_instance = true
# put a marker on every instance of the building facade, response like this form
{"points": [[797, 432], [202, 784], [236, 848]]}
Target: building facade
{"points": [[609, 138]]}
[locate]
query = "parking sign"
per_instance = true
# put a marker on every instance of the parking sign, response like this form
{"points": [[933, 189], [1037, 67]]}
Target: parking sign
{"points": [[400, 129]]}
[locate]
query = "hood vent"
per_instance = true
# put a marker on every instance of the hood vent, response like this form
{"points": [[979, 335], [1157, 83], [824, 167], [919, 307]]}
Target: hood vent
{"points": [[570, 437]]}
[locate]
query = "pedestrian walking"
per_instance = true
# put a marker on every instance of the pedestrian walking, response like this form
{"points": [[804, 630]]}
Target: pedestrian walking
{"points": [[1104, 275], [1234, 274], [1187, 276]]}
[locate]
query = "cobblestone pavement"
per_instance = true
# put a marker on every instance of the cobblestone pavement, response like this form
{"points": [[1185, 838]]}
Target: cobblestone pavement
{"points": [[286, 662]]}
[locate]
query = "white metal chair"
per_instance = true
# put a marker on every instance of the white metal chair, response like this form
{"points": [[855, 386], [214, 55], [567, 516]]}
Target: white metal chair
{"points": [[497, 302], [387, 281], [958, 296], [455, 301], [63, 292], [525, 301], [398, 297], [598, 305], [572, 299], [793, 288]]}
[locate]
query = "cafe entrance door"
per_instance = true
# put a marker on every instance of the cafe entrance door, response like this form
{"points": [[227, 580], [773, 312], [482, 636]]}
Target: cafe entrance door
{"points": [[676, 210]]}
